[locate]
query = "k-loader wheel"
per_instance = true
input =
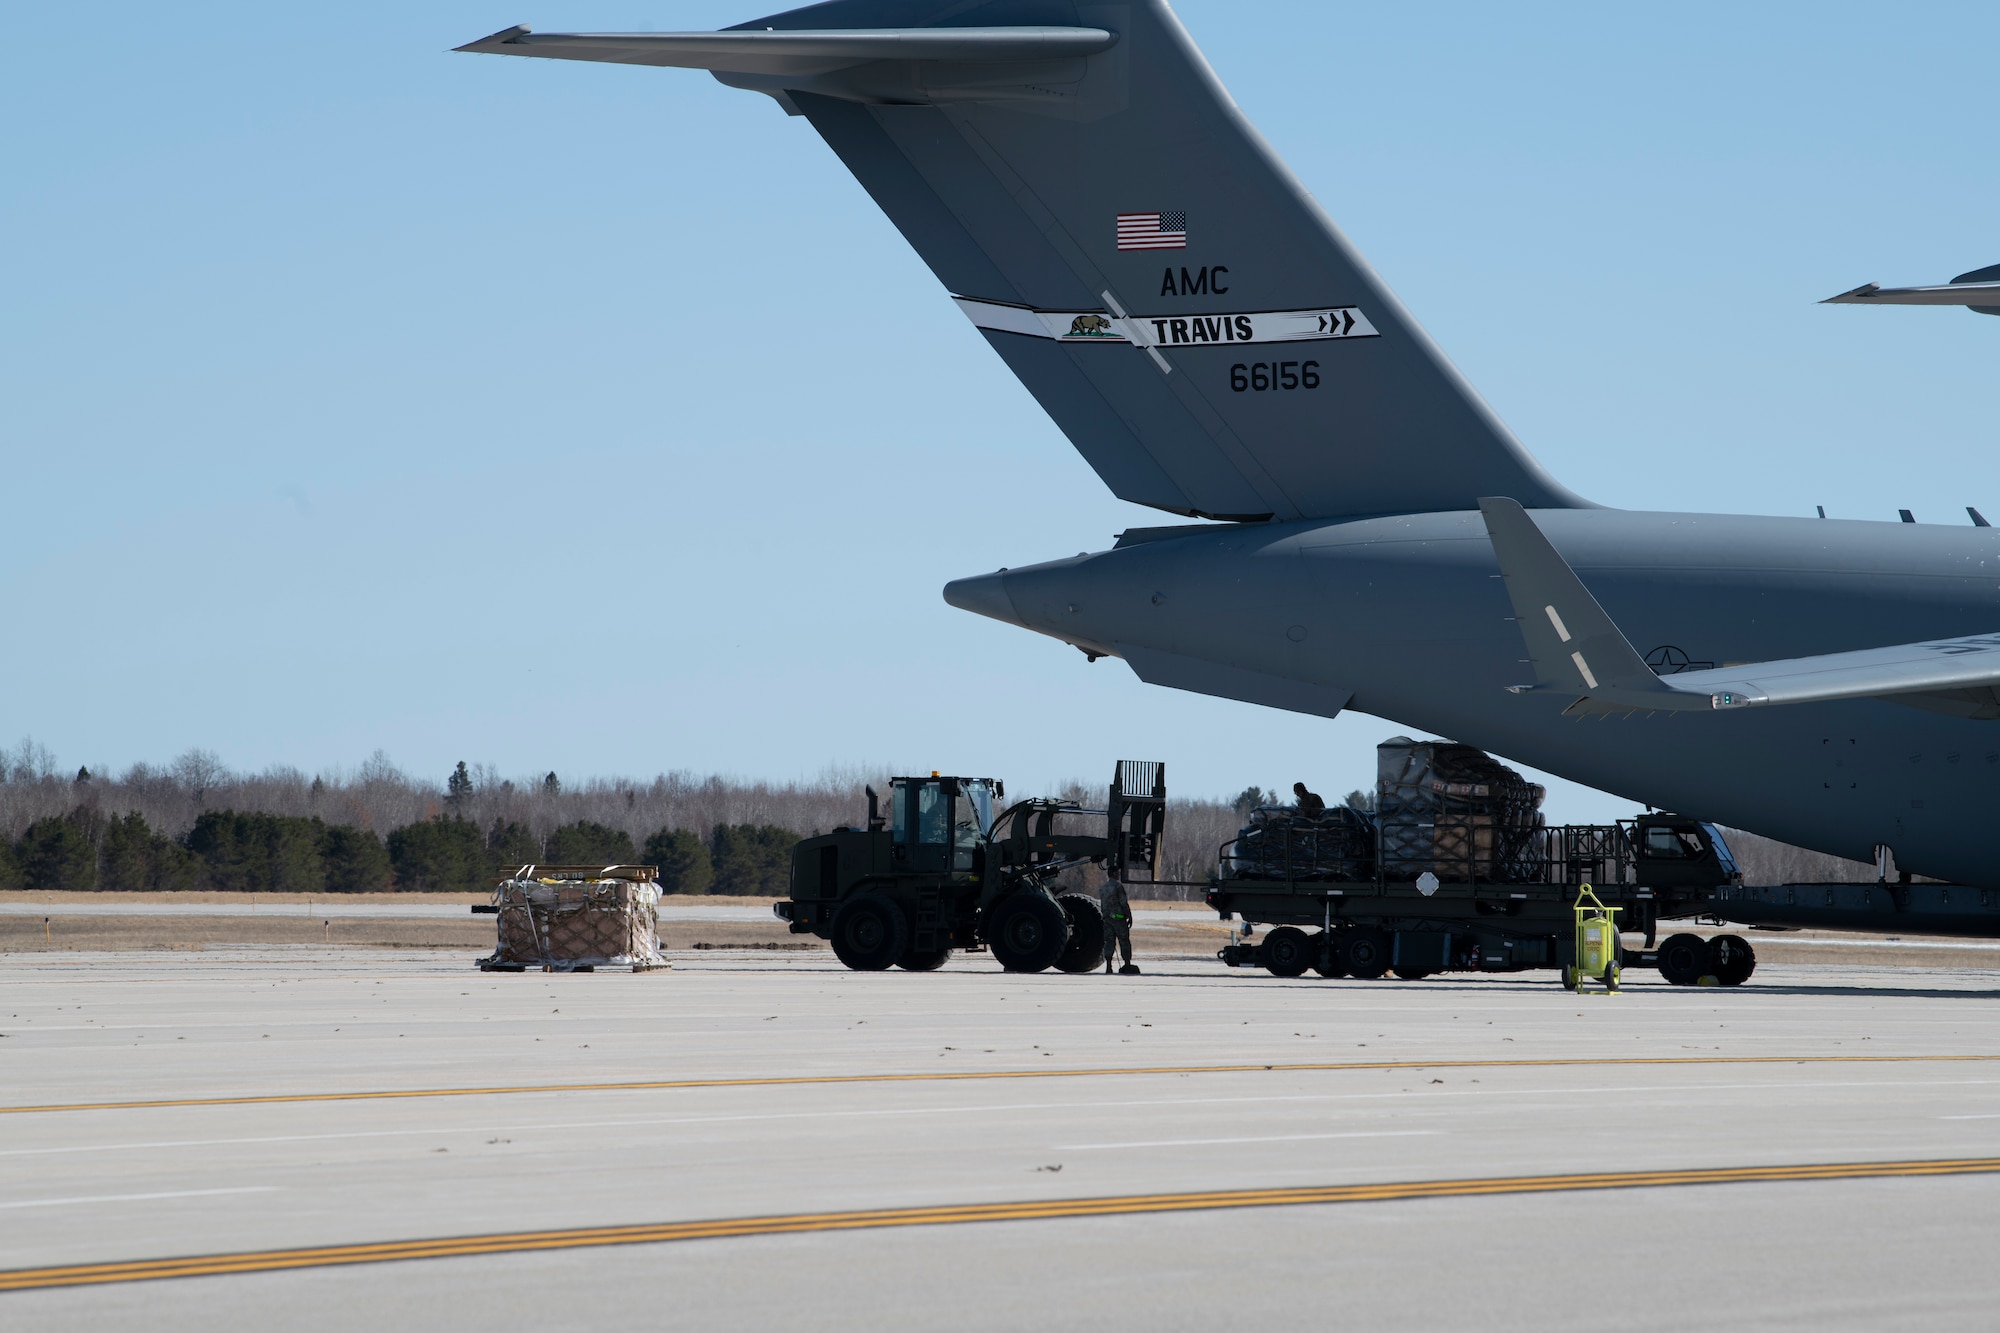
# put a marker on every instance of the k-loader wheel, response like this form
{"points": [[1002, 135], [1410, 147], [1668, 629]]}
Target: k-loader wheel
{"points": [[1287, 952]]}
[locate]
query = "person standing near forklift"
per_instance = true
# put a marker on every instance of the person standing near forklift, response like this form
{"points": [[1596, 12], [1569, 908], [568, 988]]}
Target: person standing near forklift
{"points": [[1117, 910]]}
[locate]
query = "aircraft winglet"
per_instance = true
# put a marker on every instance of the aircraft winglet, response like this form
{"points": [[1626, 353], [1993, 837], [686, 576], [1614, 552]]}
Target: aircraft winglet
{"points": [[1577, 649], [1573, 644]]}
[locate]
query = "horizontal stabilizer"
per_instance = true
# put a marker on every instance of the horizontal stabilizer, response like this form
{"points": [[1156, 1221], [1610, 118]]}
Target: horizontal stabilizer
{"points": [[1937, 666], [1576, 649], [798, 52]]}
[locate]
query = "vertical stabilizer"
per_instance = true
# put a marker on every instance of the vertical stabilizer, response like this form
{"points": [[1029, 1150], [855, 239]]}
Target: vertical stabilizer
{"points": [[1083, 185]]}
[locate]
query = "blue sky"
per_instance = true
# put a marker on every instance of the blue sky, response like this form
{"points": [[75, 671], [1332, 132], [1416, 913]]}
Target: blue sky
{"points": [[358, 395]]}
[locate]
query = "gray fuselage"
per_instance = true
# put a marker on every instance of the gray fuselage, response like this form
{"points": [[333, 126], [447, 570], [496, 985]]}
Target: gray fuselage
{"points": [[1407, 614]]}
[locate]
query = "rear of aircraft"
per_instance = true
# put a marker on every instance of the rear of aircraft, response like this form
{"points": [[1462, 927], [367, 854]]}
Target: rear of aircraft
{"points": [[1087, 191]]}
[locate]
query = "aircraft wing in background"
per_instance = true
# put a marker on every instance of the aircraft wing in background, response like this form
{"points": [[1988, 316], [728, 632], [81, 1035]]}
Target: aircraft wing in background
{"points": [[1575, 648], [1979, 290]]}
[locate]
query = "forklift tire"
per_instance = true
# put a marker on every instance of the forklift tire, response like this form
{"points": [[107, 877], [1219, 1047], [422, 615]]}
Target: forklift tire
{"points": [[869, 933], [1569, 977], [929, 961], [1731, 959], [1683, 959], [1287, 952], [1328, 953], [1085, 950], [1027, 932], [1367, 953]]}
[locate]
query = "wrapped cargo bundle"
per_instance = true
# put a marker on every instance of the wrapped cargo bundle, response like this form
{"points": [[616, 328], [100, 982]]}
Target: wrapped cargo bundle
{"points": [[567, 922], [1279, 842], [1456, 812]]}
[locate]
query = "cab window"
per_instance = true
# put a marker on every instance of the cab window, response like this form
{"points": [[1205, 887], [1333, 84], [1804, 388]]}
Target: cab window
{"points": [[933, 814], [975, 822], [1674, 843], [980, 795], [1722, 852]]}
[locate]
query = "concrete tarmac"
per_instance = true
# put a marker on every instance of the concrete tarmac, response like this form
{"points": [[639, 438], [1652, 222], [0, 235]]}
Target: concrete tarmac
{"points": [[1445, 1080]]}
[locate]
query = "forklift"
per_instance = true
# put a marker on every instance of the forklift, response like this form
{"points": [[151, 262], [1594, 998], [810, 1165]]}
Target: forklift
{"points": [[941, 871]]}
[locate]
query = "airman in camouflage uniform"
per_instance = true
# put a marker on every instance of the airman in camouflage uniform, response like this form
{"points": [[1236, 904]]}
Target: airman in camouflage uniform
{"points": [[1117, 910]]}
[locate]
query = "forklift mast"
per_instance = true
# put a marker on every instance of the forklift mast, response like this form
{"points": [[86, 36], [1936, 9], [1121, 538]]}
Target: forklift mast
{"points": [[1136, 820]]}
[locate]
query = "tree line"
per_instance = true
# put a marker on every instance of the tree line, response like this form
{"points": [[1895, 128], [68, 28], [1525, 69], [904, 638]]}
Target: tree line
{"points": [[735, 823], [194, 823], [253, 852]]}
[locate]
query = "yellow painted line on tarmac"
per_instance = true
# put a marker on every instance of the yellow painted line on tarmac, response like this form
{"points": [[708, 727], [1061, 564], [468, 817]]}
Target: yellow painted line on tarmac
{"points": [[949, 1076], [454, 1247]]}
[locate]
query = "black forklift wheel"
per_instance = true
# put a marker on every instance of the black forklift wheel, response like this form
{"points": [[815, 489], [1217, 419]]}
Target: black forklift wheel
{"points": [[1683, 959], [1027, 932], [869, 933], [1085, 950], [1731, 959], [925, 960], [1287, 952]]}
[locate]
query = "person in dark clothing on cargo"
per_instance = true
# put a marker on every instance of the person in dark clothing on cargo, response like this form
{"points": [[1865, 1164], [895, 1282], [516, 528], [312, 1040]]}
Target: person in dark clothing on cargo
{"points": [[1309, 804], [1117, 909]]}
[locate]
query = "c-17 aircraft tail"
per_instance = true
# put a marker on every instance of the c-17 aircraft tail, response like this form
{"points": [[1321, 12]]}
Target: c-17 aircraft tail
{"points": [[1079, 180]]}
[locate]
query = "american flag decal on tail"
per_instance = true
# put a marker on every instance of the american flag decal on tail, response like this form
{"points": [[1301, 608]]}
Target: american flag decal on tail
{"points": [[1153, 231]]}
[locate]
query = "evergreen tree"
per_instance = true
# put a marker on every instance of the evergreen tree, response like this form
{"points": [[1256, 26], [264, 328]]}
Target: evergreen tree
{"points": [[752, 859], [356, 861], [1253, 797], [256, 853], [509, 846], [551, 785], [10, 868], [458, 786], [586, 843], [683, 859], [134, 859], [126, 854], [445, 855], [83, 777], [57, 853]]}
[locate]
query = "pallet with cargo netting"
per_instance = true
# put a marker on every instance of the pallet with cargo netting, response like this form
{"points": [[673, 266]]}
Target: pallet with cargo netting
{"points": [[570, 918]]}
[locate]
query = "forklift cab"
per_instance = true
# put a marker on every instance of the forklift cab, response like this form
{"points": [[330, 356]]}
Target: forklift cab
{"points": [[936, 824], [1672, 852]]}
